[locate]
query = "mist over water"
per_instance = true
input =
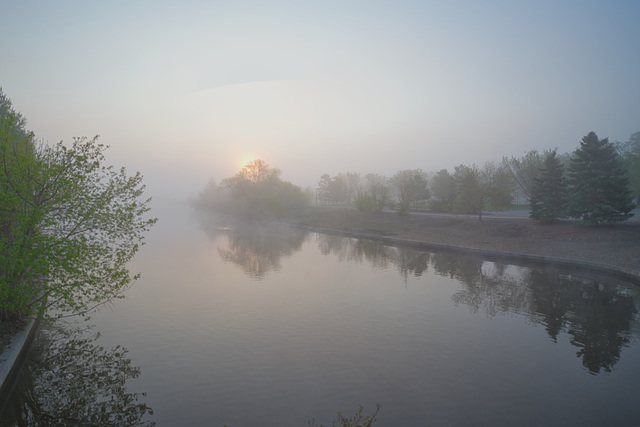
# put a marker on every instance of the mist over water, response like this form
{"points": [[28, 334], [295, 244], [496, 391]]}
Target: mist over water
{"points": [[247, 324]]}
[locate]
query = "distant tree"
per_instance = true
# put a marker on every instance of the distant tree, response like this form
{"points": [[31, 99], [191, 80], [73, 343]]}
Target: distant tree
{"points": [[309, 194], [258, 192], [410, 186], [379, 190], [549, 193], [598, 183], [332, 190], [630, 152], [469, 193], [211, 196], [526, 169], [338, 189], [475, 188], [498, 184], [353, 185], [363, 202], [323, 190], [443, 191], [259, 171]]}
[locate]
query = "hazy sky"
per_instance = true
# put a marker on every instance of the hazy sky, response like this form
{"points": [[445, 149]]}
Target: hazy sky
{"points": [[188, 91]]}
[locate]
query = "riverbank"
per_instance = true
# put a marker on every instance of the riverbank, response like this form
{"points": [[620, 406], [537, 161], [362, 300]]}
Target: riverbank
{"points": [[15, 339], [611, 245]]}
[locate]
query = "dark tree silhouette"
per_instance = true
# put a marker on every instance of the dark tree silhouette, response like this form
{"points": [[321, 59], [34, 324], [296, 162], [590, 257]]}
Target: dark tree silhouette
{"points": [[598, 183], [549, 192]]}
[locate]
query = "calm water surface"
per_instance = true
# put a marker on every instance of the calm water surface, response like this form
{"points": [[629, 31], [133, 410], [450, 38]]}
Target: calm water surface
{"points": [[274, 326]]}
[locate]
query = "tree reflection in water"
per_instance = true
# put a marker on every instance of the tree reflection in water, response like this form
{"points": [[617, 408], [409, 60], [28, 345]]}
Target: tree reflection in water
{"points": [[69, 380], [258, 250], [408, 261], [598, 314]]}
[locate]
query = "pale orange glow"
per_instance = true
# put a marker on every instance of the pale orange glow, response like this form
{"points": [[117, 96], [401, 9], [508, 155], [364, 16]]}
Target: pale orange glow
{"points": [[246, 159]]}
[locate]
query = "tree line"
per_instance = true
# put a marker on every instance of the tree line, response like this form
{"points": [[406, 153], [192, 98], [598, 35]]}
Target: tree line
{"points": [[596, 183], [69, 223]]}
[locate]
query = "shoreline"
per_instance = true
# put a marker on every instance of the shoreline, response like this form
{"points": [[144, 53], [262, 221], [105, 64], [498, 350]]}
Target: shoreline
{"points": [[13, 356], [601, 269], [612, 249]]}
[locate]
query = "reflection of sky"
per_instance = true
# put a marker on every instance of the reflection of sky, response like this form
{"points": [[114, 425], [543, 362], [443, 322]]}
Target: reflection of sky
{"points": [[322, 334], [190, 92]]}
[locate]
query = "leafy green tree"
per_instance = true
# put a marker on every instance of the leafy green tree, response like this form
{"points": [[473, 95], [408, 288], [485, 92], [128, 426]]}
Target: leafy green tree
{"points": [[323, 190], [549, 193], [598, 183], [338, 189], [498, 185], [352, 180], [379, 190], [469, 193], [364, 202], [526, 169], [410, 186], [476, 188], [69, 225], [443, 191]]}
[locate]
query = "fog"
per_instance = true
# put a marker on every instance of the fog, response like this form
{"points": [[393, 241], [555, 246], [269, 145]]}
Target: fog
{"points": [[191, 92]]}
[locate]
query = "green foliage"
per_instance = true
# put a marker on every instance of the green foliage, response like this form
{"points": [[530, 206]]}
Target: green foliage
{"points": [[476, 188], [443, 191], [526, 169], [549, 193], [410, 186], [332, 190], [364, 203], [357, 420], [68, 225], [378, 188], [598, 183], [469, 195], [498, 185]]}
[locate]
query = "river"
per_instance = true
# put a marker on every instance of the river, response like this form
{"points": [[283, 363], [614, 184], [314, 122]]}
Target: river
{"points": [[249, 325]]}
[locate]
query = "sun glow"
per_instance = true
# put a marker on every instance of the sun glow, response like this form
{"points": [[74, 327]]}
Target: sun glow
{"points": [[246, 159]]}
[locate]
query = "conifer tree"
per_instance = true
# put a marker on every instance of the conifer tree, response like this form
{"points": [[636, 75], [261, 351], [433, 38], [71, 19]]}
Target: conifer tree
{"points": [[549, 192], [598, 183]]}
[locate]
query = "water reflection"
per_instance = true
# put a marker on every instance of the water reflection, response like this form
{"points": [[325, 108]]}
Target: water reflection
{"points": [[407, 261], [599, 315], [255, 248], [70, 380]]}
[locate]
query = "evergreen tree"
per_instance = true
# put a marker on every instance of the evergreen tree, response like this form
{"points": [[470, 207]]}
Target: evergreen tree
{"points": [[549, 191], [598, 183]]}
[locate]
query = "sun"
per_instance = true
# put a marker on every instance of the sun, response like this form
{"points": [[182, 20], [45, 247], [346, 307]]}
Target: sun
{"points": [[246, 159]]}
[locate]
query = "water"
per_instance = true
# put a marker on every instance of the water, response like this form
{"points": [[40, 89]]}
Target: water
{"points": [[274, 326]]}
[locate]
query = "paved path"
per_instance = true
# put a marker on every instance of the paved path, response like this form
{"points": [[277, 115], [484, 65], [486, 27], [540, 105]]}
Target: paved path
{"points": [[508, 214]]}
